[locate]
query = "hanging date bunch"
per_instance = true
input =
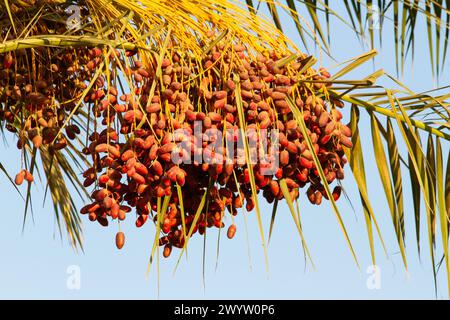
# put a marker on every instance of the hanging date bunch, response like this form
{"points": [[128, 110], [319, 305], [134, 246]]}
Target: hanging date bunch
{"points": [[36, 104], [182, 134], [40, 88], [144, 156]]}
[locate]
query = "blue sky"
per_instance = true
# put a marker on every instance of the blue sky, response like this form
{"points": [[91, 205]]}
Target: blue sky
{"points": [[34, 263]]}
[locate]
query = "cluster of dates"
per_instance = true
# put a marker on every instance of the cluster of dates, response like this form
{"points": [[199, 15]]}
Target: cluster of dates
{"points": [[39, 106], [40, 87], [170, 130], [166, 134], [139, 158]]}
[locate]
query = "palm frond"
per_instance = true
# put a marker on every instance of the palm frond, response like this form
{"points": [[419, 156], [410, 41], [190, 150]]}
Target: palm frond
{"points": [[368, 16]]}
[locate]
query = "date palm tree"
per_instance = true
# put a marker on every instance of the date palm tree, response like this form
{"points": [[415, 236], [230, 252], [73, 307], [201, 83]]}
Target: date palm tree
{"points": [[62, 58]]}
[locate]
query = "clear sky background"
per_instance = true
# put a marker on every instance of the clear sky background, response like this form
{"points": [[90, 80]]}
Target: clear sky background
{"points": [[34, 264]]}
